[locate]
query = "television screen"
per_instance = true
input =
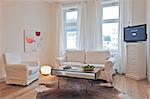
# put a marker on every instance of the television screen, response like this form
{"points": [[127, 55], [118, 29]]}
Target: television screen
{"points": [[135, 33]]}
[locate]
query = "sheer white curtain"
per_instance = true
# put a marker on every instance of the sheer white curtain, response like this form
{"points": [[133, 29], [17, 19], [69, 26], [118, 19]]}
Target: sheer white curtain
{"points": [[60, 28], [83, 24], [98, 36], [125, 20], [89, 25]]}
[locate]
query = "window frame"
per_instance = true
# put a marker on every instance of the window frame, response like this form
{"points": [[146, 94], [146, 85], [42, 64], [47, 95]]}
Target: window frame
{"points": [[65, 9], [110, 3]]}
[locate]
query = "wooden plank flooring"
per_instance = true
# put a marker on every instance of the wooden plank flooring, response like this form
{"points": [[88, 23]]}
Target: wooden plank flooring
{"points": [[7, 89], [135, 89]]}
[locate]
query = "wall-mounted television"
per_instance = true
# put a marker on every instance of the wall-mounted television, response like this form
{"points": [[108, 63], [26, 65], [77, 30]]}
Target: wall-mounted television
{"points": [[135, 33]]}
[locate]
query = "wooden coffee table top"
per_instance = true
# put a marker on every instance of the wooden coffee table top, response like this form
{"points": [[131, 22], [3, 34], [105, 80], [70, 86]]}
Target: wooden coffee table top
{"points": [[77, 72], [77, 69]]}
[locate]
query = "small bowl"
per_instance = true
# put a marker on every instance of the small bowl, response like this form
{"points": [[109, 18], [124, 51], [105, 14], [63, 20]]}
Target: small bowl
{"points": [[88, 67]]}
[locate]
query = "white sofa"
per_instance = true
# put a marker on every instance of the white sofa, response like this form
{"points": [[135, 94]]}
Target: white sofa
{"points": [[18, 72], [96, 58]]}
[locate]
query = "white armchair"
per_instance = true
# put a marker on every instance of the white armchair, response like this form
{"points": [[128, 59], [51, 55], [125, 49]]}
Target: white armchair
{"points": [[17, 72]]}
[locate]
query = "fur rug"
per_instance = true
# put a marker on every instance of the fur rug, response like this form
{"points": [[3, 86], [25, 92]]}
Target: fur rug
{"points": [[75, 89]]}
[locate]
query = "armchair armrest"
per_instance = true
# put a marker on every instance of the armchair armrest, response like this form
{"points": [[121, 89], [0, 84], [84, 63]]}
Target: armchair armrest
{"points": [[16, 71], [14, 66], [60, 60]]}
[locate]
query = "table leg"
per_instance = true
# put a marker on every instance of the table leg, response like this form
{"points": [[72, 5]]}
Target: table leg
{"points": [[86, 86], [58, 83], [92, 83], [67, 82]]}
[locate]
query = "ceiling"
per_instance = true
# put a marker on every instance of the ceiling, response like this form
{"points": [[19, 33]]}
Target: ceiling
{"points": [[65, 0]]}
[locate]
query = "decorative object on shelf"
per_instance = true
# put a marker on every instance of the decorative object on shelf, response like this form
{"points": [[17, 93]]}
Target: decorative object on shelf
{"points": [[32, 40], [46, 70], [88, 67]]}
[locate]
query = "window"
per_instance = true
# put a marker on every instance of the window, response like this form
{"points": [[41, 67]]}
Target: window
{"points": [[110, 24], [71, 27]]}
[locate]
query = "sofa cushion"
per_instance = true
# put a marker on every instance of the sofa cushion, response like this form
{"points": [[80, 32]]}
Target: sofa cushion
{"points": [[75, 56], [96, 57]]}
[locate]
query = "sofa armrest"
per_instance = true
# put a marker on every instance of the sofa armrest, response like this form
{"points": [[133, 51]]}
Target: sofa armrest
{"points": [[111, 59], [109, 64], [30, 63], [60, 60], [108, 68]]}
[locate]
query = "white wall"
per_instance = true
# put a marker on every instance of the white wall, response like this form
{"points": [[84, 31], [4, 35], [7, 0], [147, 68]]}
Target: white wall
{"points": [[2, 72], [139, 12], [54, 38], [134, 12], [37, 15]]}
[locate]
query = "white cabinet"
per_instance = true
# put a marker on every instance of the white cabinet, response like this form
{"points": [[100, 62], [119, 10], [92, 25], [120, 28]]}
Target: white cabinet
{"points": [[136, 61]]}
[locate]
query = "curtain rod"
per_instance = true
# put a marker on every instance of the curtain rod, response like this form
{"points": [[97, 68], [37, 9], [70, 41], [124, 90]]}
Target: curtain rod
{"points": [[68, 3], [73, 2]]}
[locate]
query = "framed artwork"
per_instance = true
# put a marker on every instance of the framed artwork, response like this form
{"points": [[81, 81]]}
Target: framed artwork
{"points": [[32, 40]]}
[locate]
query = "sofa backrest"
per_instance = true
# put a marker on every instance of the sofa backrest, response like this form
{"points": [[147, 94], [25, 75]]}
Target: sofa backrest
{"points": [[96, 57], [75, 56]]}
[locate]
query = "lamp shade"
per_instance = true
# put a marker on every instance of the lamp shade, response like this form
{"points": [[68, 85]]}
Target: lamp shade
{"points": [[46, 70]]}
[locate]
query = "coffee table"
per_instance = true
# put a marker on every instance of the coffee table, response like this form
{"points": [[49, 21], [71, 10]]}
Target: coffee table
{"points": [[76, 72]]}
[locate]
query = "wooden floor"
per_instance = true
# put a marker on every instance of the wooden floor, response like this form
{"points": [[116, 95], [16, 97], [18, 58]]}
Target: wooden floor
{"points": [[135, 89]]}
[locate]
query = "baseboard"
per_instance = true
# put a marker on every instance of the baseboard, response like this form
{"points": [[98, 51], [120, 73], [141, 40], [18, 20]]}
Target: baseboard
{"points": [[136, 77], [2, 79], [148, 77]]}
